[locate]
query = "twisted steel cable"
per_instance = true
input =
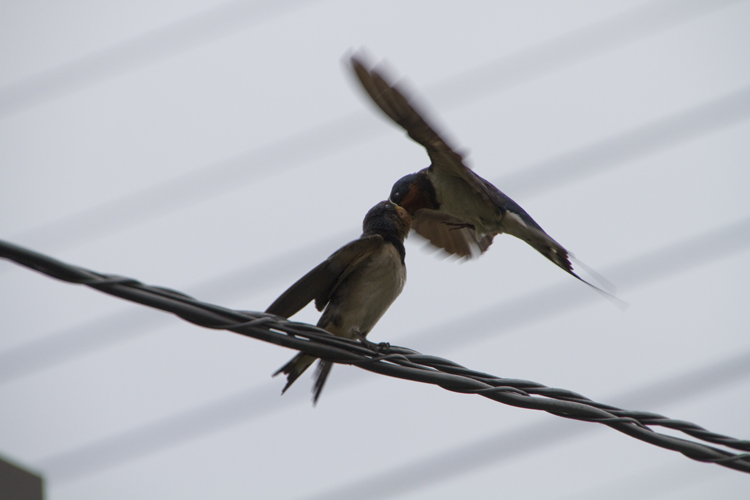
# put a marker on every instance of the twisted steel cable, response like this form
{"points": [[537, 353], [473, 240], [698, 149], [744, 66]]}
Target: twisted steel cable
{"points": [[398, 362]]}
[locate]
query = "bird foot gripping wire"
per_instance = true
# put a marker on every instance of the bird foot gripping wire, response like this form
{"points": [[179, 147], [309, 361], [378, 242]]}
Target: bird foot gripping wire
{"points": [[381, 349]]}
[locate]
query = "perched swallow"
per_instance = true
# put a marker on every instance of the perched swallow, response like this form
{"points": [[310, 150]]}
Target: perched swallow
{"points": [[449, 204], [356, 286]]}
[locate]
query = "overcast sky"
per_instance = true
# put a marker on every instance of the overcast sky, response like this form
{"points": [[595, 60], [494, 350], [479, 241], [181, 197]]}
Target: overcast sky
{"points": [[223, 149]]}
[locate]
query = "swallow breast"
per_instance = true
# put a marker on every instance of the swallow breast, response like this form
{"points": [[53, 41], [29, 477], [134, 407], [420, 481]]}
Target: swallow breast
{"points": [[365, 295]]}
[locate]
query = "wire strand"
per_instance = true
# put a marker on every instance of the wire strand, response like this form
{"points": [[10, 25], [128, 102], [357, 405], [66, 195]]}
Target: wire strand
{"points": [[398, 362], [156, 45], [355, 128], [62, 346]]}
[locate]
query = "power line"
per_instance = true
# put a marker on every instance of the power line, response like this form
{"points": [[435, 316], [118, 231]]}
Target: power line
{"points": [[635, 272], [156, 45], [398, 362], [508, 445], [638, 271], [475, 326], [651, 483], [583, 44], [237, 172], [111, 329], [534, 179], [357, 128], [261, 401], [226, 19], [668, 142], [204, 183], [671, 259], [601, 156]]}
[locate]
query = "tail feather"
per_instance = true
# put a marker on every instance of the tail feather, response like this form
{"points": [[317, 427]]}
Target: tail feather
{"points": [[324, 368], [295, 368], [557, 254], [561, 258]]}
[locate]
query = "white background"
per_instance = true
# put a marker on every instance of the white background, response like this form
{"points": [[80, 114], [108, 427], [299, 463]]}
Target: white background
{"points": [[223, 149]]}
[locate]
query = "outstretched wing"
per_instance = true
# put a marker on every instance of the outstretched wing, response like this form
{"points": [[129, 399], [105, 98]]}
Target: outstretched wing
{"points": [[319, 284], [392, 101], [445, 161]]}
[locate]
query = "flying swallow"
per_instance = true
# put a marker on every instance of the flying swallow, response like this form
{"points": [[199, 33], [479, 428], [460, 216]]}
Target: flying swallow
{"points": [[356, 286], [450, 205]]}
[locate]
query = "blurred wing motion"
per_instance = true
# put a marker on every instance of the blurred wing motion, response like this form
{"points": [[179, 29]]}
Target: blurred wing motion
{"points": [[398, 108], [450, 205], [444, 231]]}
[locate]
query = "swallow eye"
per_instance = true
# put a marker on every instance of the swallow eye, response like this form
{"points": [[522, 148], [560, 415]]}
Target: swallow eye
{"points": [[401, 188]]}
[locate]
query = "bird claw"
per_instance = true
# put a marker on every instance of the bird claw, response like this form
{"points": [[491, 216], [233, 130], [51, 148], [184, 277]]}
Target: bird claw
{"points": [[455, 226], [381, 348]]}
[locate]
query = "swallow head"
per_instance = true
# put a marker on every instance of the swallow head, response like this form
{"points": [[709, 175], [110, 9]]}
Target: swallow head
{"points": [[387, 219], [401, 188], [414, 191]]}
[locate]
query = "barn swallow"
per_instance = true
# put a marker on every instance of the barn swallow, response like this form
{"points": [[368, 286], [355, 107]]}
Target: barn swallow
{"points": [[356, 286], [450, 205]]}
